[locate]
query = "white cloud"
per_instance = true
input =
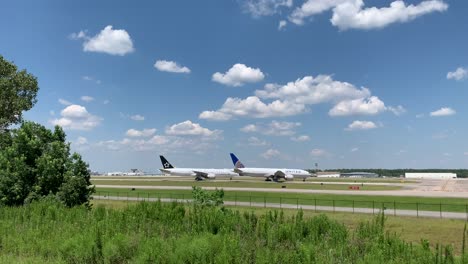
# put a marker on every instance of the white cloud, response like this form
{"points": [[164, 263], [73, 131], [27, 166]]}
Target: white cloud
{"points": [[301, 138], [189, 128], [64, 102], [252, 106], [80, 141], [259, 8], [354, 149], [363, 106], [141, 133], [397, 110], [214, 115], [294, 97], [444, 111], [310, 90], [318, 152], [275, 128], [110, 41], [270, 153], [87, 98], [106, 102], [137, 117], [255, 141], [361, 125], [238, 75], [170, 66], [282, 24], [76, 117], [351, 14], [459, 74]]}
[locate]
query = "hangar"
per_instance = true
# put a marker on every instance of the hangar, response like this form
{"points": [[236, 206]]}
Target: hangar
{"points": [[429, 175]]}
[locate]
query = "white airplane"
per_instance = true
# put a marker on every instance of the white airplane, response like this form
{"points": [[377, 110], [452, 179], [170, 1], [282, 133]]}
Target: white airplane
{"points": [[199, 174], [268, 173]]}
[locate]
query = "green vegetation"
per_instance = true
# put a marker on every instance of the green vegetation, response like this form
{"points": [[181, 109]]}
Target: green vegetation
{"points": [[36, 163], [48, 232], [363, 201], [18, 90], [249, 184]]}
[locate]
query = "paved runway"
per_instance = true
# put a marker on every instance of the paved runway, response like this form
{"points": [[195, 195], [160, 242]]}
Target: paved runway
{"points": [[397, 212], [420, 193]]}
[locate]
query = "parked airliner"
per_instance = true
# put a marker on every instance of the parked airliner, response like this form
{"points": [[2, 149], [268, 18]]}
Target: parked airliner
{"points": [[199, 174], [269, 174]]}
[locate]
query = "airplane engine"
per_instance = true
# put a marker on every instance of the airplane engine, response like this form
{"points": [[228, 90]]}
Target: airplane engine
{"points": [[289, 177], [211, 176]]}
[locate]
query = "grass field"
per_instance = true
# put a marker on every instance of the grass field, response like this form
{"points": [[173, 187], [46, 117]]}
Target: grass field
{"points": [[256, 179], [363, 201], [251, 184], [442, 231]]}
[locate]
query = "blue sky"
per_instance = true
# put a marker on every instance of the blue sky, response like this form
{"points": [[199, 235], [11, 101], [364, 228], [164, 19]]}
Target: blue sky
{"points": [[344, 83]]}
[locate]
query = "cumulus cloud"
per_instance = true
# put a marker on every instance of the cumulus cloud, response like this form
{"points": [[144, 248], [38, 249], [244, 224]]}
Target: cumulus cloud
{"points": [[252, 106], [76, 117], [363, 106], [459, 74], [189, 128], [137, 117], [444, 111], [259, 8], [301, 138], [352, 14], [238, 75], [141, 133], [110, 41], [270, 153], [275, 128], [361, 125], [170, 66], [87, 98], [294, 98], [64, 102]]}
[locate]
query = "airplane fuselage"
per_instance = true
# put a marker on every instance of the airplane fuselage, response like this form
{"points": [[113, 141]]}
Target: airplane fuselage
{"points": [[271, 172], [193, 172]]}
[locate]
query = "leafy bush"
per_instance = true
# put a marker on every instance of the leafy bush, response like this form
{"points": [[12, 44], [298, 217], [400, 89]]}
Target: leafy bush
{"points": [[36, 162], [205, 198]]}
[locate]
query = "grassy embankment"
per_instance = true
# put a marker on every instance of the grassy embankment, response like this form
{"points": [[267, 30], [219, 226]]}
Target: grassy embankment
{"points": [[176, 233]]}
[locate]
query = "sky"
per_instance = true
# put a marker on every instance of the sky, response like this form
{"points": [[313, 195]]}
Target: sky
{"points": [[281, 83]]}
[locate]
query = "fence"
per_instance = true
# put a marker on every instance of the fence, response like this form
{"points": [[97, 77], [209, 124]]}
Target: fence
{"points": [[396, 208]]}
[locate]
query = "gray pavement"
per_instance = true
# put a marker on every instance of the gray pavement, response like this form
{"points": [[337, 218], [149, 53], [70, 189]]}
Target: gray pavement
{"points": [[397, 212]]}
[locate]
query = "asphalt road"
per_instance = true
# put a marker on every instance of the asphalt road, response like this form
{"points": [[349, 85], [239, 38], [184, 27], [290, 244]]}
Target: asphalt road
{"points": [[415, 193], [397, 212]]}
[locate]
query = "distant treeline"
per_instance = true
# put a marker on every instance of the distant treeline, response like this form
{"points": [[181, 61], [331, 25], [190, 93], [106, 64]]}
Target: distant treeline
{"points": [[461, 173]]}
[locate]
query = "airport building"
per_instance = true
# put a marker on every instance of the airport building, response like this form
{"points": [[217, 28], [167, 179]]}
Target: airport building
{"points": [[359, 175], [429, 175], [328, 174]]}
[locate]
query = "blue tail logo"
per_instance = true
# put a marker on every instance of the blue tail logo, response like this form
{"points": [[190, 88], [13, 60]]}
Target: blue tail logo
{"points": [[237, 163]]}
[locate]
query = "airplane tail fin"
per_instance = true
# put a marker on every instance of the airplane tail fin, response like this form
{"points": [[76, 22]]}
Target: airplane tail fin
{"points": [[237, 163], [165, 163]]}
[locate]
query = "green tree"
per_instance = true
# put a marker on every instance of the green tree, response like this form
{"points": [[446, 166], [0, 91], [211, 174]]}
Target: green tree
{"points": [[35, 162], [18, 90]]}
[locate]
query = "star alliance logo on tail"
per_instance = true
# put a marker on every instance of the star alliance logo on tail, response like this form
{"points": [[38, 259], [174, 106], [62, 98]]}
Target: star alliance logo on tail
{"points": [[167, 165]]}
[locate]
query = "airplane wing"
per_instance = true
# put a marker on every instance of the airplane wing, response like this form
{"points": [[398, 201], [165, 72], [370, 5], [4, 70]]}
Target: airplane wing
{"points": [[204, 174], [279, 174]]}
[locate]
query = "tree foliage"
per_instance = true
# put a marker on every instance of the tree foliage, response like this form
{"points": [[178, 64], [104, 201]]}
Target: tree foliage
{"points": [[18, 90], [35, 162], [205, 198]]}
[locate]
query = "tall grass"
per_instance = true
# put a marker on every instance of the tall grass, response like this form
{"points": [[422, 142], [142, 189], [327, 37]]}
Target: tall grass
{"points": [[176, 233]]}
